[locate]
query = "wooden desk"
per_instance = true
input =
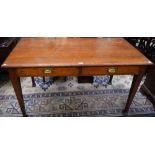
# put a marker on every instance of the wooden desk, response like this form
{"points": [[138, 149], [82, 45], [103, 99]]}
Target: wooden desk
{"points": [[75, 57]]}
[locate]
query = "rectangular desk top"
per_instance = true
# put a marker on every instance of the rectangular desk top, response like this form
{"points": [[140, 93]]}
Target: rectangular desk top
{"points": [[46, 52]]}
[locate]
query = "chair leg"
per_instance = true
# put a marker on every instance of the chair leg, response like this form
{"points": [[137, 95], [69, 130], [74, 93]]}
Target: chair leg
{"points": [[33, 82], [65, 78], [110, 80], [44, 79]]}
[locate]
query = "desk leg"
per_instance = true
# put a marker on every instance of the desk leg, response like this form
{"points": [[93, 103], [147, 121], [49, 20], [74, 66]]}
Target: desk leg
{"points": [[135, 84], [18, 91]]}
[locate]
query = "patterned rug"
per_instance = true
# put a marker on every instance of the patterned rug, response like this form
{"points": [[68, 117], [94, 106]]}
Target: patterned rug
{"points": [[69, 98]]}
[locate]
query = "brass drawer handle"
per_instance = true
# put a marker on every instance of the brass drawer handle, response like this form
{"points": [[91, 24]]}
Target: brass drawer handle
{"points": [[48, 70], [112, 69]]}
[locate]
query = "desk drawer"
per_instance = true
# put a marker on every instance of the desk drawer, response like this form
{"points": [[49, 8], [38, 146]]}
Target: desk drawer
{"points": [[49, 71], [111, 70], [79, 71]]}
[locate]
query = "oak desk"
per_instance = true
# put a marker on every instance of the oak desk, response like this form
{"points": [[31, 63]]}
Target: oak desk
{"points": [[74, 57]]}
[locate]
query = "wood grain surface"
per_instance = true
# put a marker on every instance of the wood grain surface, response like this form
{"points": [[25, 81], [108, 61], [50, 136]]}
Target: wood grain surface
{"points": [[50, 52]]}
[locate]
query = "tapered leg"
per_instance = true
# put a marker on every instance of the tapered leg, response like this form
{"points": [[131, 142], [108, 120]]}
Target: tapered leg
{"points": [[18, 91], [135, 84], [33, 82], [110, 80]]}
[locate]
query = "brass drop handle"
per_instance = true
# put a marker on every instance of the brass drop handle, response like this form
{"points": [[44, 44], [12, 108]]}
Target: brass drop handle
{"points": [[48, 70], [112, 69]]}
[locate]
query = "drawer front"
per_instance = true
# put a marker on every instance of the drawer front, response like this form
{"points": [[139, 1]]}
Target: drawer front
{"points": [[49, 71], [114, 70], [79, 71]]}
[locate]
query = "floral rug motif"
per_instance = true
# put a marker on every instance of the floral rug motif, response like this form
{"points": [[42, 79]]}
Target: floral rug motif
{"points": [[98, 80], [68, 98]]}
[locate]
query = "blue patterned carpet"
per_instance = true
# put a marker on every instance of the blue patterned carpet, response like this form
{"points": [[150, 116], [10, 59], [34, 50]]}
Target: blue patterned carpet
{"points": [[72, 99]]}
